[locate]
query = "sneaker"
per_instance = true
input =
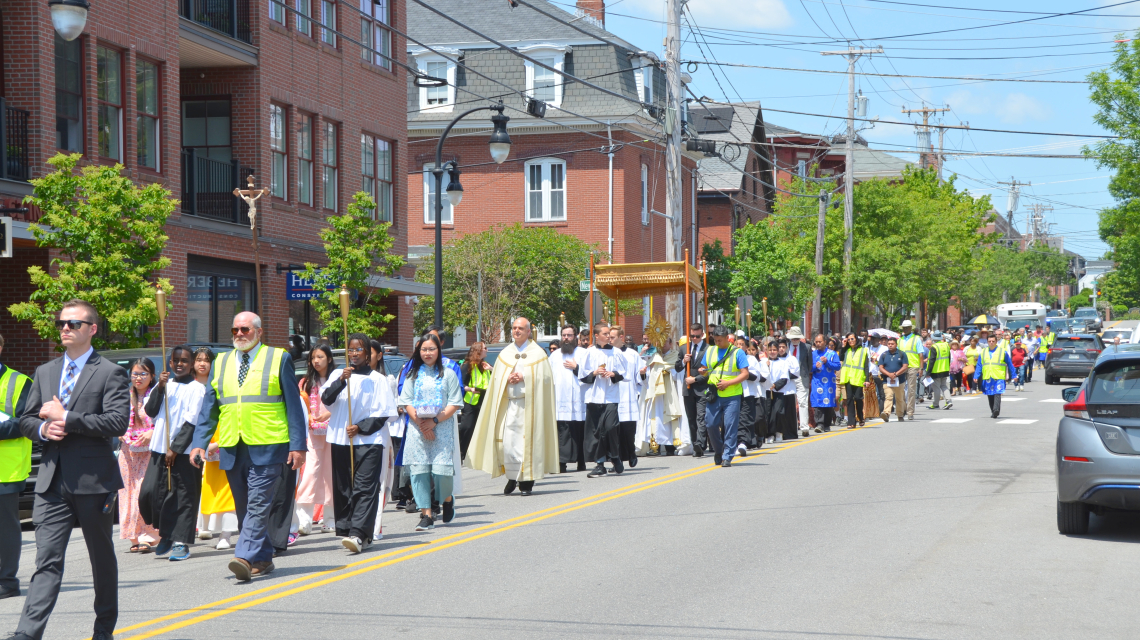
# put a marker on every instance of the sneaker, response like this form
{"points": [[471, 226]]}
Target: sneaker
{"points": [[326, 528], [401, 503], [933, 406], [884, 416], [305, 527], [598, 471], [179, 552], [779, 437], [448, 511], [805, 433], [354, 544], [426, 524], [411, 508], [205, 535], [742, 451], [224, 543], [292, 539], [948, 405], [163, 548], [378, 537]]}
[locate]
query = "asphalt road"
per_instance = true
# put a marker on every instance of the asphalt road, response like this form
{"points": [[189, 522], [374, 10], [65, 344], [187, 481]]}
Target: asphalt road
{"points": [[944, 527]]}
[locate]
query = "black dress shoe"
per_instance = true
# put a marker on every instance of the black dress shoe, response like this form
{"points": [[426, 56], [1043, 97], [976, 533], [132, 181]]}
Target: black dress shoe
{"points": [[9, 593], [526, 487], [717, 460], [102, 635], [510, 488], [561, 467], [618, 468], [633, 461], [581, 466], [20, 636], [698, 452]]}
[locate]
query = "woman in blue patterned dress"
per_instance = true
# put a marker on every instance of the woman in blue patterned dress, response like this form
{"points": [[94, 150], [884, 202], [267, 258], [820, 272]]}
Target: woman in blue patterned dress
{"points": [[824, 368], [431, 395]]}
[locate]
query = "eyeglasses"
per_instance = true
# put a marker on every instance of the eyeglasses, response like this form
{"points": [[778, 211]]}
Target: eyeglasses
{"points": [[74, 325], [237, 330], [353, 351], [139, 374]]}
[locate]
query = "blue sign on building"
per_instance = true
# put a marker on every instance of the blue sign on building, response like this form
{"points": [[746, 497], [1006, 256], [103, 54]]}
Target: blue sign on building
{"points": [[298, 288]]}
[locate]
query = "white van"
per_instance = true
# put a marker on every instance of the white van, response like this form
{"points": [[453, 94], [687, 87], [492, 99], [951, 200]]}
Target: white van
{"points": [[1019, 315]]}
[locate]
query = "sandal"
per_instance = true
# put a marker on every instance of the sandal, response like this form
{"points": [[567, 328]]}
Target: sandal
{"points": [[134, 548], [144, 547]]}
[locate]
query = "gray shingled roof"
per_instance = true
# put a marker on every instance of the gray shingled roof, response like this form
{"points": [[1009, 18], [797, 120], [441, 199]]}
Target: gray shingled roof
{"points": [[602, 64]]}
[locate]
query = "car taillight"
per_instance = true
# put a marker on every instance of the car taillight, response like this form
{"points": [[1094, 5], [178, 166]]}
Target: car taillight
{"points": [[1075, 459], [1055, 350], [1077, 408], [1093, 350]]}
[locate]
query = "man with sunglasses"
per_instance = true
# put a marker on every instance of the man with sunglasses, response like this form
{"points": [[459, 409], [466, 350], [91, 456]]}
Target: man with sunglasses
{"points": [[253, 404], [77, 404]]}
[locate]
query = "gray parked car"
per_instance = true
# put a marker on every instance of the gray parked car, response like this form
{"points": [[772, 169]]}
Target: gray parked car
{"points": [[1098, 443]]}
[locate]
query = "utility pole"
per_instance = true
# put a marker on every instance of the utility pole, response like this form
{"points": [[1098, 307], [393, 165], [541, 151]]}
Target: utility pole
{"points": [[1014, 196], [673, 173], [852, 54], [1035, 227], [816, 316], [924, 137], [941, 157]]}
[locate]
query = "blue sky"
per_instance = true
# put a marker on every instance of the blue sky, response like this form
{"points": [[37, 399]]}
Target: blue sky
{"points": [[791, 33]]}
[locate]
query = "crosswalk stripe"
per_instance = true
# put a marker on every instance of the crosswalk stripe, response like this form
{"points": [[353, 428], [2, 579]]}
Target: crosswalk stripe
{"points": [[1052, 400], [1016, 421], [952, 420]]}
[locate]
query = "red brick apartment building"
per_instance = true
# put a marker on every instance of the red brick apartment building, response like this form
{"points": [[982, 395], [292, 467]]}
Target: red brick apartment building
{"points": [[197, 95], [558, 174]]}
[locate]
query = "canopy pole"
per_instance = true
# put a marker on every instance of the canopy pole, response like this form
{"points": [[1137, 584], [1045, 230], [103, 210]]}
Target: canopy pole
{"points": [[590, 321], [705, 272], [685, 304]]}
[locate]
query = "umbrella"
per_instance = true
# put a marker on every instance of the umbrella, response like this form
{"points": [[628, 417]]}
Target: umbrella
{"points": [[883, 333], [985, 319]]}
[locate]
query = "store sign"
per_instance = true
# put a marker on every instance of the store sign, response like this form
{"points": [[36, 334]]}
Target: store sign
{"points": [[199, 288], [298, 288]]}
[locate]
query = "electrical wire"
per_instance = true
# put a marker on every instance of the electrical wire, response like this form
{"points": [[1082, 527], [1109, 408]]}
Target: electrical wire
{"points": [[889, 75]]}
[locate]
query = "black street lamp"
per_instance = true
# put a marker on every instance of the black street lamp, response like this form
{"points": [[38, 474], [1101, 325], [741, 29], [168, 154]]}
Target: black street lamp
{"points": [[69, 17], [500, 147]]}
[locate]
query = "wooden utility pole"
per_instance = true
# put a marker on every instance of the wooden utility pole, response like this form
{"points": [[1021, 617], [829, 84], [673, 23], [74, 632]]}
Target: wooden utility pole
{"points": [[926, 112], [816, 314]]}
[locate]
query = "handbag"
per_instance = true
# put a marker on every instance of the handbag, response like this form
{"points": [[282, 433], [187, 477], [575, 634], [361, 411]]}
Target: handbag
{"points": [[968, 370]]}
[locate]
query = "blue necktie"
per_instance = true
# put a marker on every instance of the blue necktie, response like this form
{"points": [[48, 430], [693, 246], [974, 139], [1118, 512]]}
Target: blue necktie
{"points": [[244, 368], [68, 384]]}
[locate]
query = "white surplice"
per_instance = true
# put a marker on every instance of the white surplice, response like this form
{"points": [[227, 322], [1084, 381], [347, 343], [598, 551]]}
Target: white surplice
{"points": [[568, 389]]}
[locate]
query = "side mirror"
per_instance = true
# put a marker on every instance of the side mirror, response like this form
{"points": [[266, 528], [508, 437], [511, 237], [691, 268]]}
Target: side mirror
{"points": [[1070, 394]]}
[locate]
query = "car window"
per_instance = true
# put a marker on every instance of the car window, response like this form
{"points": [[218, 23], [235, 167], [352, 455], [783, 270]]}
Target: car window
{"points": [[1085, 313], [1115, 385], [1109, 335], [1077, 343]]}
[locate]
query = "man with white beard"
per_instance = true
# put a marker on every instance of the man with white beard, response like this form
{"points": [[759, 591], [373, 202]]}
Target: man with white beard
{"points": [[568, 392]]}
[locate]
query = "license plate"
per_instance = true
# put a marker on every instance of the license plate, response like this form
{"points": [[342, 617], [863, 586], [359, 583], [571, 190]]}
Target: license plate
{"points": [[1073, 356]]}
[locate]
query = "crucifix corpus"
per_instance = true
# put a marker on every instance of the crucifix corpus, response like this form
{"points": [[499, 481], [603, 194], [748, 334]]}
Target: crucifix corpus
{"points": [[251, 196]]}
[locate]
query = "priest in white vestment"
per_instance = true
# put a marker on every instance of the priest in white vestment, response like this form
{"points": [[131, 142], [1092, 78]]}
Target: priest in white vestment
{"points": [[661, 407], [517, 434]]}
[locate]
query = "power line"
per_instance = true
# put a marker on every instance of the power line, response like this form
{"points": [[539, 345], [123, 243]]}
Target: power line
{"points": [[938, 6], [891, 75]]}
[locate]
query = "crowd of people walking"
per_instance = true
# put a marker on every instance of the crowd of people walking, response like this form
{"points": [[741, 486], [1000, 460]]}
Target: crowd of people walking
{"points": [[218, 445]]}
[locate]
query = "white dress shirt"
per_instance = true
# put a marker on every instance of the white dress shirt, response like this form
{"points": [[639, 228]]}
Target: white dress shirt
{"points": [[364, 391], [603, 390], [184, 401]]}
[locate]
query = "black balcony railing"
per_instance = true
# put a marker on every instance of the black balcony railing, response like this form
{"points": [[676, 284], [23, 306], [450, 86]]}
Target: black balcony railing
{"points": [[230, 17], [208, 186], [13, 142]]}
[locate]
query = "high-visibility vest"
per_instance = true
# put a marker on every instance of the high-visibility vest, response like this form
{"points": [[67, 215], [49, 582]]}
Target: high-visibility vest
{"points": [[912, 346], [1003, 344], [15, 453], [476, 378], [726, 371], [941, 363], [254, 412], [993, 364], [1047, 340], [854, 371]]}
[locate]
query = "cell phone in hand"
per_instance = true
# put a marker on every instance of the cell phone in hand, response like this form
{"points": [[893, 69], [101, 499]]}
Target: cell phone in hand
{"points": [[109, 503]]}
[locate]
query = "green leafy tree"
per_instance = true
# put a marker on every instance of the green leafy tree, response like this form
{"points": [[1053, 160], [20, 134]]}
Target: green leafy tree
{"points": [[358, 248], [527, 271], [1117, 290], [109, 236], [721, 296], [1116, 93], [1082, 299]]}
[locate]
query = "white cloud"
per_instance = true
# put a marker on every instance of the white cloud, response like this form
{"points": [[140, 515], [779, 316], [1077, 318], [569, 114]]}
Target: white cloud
{"points": [[1012, 108], [733, 14]]}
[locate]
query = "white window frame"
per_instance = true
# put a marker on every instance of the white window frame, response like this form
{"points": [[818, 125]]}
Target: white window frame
{"points": [[448, 216], [422, 63], [545, 51], [645, 194], [545, 163], [276, 11], [643, 78], [279, 132]]}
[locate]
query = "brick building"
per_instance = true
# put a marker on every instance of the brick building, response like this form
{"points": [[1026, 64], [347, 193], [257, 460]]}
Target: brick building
{"points": [[197, 96], [558, 174]]}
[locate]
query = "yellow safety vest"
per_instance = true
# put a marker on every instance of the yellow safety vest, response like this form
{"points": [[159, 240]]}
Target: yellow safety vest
{"points": [[912, 346], [726, 371], [854, 371], [941, 362], [1048, 339], [253, 413], [993, 364], [15, 453], [477, 378], [1003, 344]]}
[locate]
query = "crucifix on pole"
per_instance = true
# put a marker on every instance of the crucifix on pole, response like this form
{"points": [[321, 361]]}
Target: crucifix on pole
{"points": [[251, 196]]}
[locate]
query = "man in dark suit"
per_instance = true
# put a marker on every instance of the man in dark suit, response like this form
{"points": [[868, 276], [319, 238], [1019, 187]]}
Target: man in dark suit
{"points": [[77, 404], [694, 395]]}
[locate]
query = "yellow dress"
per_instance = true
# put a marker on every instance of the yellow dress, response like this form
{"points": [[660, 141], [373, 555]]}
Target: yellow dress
{"points": [[216, 495]]}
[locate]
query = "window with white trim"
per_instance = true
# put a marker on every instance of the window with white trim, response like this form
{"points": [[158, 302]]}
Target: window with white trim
{"points": [[276, 11], [376, 174], [304, 12], [542, 83], [329, 166], [429, 197], [305, 160], [375, 36], [545, 190], [278, 151], [328, 22], [644, 194], [437, 98]]}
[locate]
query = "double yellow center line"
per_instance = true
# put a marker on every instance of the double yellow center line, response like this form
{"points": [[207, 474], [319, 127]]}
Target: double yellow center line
{"points": [[294, 586]]}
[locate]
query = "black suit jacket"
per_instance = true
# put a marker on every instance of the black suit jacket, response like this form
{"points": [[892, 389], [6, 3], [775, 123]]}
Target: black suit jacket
{"points": [[695, 362], [99, 410]]}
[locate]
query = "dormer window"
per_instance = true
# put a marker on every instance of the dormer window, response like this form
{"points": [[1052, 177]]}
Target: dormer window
{"points": [[543, 83], [437, 98]]}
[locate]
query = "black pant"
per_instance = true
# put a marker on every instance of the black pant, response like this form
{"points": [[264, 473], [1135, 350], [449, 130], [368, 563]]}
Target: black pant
{"points": [[282, 508], [786, 413], [570, 447], [176, 511], [995, 404], [824, 417], [9, 541], [627, 434], [762, 426], [55, 513], [955, 381], [600, 436], [854, 403], [695, 412], [467, 426], [356, 498], [746, 431]]}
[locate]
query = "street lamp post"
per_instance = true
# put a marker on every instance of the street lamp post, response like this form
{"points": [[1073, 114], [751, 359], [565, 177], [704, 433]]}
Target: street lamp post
{"points": [[500, 146]]}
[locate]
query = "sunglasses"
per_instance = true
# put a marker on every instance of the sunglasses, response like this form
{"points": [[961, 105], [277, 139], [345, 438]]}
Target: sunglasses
{"points": [[74, 325], [237, 330]]}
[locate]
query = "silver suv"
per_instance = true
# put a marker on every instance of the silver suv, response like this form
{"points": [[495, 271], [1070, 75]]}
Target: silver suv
{"points": [[1098, 443], [1090, 317]]}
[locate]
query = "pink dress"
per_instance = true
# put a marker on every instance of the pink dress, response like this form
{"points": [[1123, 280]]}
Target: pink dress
{"points": [[132, 466], [315, 486]]}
